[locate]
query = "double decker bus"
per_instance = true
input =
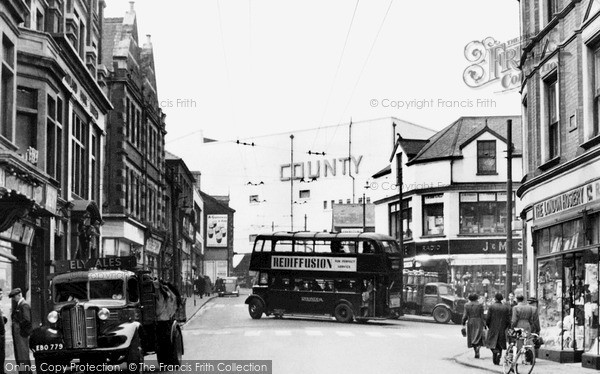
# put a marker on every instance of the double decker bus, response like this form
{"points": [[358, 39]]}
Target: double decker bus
{"points": [[347, 276]]}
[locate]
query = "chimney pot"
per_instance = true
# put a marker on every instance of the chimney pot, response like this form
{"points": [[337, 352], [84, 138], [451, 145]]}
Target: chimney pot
{"points": [[131, 6], [148, 38]]}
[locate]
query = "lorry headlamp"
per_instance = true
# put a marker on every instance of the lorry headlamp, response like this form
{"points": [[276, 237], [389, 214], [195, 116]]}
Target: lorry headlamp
{"points": [[52, 316], [103, 314]]}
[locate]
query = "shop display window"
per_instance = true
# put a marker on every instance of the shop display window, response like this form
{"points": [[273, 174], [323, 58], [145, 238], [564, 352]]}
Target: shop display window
{"points": [[406, 219], [562, 237], [482, 213], [568, 301], [433, 215], [484, 280], [550, 300]]}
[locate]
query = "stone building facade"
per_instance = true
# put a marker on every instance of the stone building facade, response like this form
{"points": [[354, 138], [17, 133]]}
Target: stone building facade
{"points": [[53, 111]]}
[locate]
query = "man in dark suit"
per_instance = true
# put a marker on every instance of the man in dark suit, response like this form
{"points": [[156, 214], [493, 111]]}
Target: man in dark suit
{"points": [[21, 329], [497, 321]]}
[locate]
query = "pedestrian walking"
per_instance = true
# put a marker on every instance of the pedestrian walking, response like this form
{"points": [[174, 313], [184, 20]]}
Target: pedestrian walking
{"points": [[21, 329], [473, 319], [201, 284], [525, 316], [207, 285], [511, 300], [497, 321]]}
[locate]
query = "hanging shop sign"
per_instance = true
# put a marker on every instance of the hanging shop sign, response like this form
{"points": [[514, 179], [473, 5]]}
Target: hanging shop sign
{"points": [[575, 197], [153, 246]]}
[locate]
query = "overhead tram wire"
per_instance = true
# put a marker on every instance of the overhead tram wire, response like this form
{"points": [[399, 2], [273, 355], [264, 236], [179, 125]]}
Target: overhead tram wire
{"points": [[337, 70], [362, 69]]}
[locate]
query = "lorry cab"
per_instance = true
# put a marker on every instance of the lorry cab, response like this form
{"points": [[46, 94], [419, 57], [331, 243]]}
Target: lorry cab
{"points": [[109, 311]]}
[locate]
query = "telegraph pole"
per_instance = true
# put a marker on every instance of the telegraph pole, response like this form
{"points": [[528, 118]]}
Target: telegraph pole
{"points": [[509, 209], [399, 222], [364, 206], [292, 182]]}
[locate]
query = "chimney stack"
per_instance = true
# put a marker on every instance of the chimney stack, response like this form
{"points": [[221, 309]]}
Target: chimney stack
{"points": [[131, 6]]}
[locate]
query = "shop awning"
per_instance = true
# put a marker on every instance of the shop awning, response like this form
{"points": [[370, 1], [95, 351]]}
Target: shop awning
{"points": [[81, 207], [5, 253], [13, 206]]}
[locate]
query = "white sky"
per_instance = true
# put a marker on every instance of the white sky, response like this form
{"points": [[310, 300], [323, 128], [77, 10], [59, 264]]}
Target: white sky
{"points": [[257, 67]]}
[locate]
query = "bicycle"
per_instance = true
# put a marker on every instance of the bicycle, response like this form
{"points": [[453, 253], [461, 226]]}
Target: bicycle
{"points": [[520, 354]]}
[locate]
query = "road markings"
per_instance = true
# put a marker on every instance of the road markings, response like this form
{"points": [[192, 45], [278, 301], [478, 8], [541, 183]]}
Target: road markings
{"points": [[252, 333], [240, 305], [314, 333], [283, 333], [344, 333], [375, 334], [436, 336], [405, 334], [219, 305]]}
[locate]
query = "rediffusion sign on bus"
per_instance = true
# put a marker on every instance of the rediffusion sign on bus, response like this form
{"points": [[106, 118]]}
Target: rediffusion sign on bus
{"points": [[313, 263]]}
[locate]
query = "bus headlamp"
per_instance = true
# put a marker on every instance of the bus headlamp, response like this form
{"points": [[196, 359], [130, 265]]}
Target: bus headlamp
{"points": [[52, 317], [103, 314]]}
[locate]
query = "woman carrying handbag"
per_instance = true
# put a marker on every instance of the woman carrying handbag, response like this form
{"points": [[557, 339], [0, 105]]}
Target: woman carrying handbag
{"points": [[473, 319]]}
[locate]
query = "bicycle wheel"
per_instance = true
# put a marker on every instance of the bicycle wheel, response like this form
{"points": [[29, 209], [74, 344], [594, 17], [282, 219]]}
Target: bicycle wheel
{"points": [[508, 362], [525, 361]]}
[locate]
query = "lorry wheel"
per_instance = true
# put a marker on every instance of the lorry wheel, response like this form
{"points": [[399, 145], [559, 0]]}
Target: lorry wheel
{"points": [[441, 314], [170, 351], [135, 356], [255, 308], [343, 313], [457, 318]]}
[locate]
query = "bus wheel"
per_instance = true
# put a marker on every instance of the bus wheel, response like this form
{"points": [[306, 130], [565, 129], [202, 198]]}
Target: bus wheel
{"points": [[255, 308], [441, 314], [343, 313]]}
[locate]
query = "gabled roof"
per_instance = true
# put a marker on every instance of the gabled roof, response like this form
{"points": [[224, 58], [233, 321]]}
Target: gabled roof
{"points": [[448, 143]]}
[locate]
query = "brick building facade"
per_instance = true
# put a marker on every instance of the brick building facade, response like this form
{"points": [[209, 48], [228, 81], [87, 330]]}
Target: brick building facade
{"points": [[561, 188], [134, 182]]}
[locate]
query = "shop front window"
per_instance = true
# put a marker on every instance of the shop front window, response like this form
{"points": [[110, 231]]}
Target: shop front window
{"points": [[484, 280], [406, 219], [550, 301], [482, 213], [433, 215]]}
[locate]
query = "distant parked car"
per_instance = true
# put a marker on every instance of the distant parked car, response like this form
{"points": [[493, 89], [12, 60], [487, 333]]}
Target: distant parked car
{"points": [[227, 286]]}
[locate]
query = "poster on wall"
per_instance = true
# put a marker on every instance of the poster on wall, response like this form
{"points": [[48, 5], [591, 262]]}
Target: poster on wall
{"points": [[216, 230]]}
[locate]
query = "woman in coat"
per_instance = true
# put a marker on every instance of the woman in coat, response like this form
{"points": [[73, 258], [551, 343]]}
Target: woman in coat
{"points": [[497, 321], [473, 318]]}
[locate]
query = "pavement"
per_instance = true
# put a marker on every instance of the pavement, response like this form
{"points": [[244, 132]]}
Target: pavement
{"points": [[541, 366]]}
